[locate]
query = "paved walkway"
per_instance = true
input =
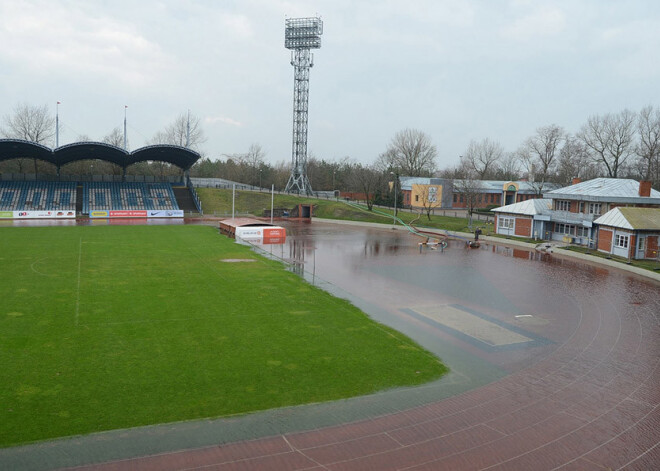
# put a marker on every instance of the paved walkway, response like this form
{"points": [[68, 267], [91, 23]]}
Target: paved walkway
{"points": [[591, 403]]}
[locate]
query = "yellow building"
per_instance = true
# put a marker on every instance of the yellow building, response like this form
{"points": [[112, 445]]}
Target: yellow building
{"points": [[426, 196]]}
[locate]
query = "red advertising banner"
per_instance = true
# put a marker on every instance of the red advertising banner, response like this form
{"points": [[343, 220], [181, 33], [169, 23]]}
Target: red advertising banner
{"points": [[127, 214], [274, 235]]}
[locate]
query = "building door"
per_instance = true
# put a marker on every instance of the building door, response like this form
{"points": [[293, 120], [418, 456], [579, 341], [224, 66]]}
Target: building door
{"points": [[641, 247]]}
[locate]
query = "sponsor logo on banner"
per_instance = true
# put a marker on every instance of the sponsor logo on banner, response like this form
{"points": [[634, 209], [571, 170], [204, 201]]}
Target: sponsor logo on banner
{"points": [[274, 235], [40, 214], [166, 213], [98, 214], [6, 214], [262, 235], [128, 214]]}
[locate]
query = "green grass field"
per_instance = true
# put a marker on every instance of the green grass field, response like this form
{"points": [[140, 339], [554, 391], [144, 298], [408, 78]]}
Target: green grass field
{"points": [[118, 326]]}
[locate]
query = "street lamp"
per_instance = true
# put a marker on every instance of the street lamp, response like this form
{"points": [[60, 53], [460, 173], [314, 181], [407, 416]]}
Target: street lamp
{"points": [[260, 179], [394, 175]]}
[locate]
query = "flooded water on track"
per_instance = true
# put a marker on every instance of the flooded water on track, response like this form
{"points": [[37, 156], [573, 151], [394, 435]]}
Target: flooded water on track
{"points": [[508, 307]]}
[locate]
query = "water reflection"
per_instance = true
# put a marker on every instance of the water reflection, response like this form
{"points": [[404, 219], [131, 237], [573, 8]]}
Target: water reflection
{"points": [[390, 275]]}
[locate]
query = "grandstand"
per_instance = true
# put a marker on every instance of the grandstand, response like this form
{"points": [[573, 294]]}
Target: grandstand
{"points": [[122, 196], [61, 196], [57, 194], [37, 196]]}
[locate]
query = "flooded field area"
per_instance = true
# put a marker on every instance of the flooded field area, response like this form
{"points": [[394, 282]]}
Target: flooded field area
{"points": [[510, 307]]}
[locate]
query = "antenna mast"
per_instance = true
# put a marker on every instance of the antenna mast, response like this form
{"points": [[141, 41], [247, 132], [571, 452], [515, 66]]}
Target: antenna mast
{"points": [[301, 35]]}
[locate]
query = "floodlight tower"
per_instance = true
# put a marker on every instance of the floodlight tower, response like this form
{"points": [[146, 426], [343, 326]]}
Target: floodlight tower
{"points": [[301, 35]]}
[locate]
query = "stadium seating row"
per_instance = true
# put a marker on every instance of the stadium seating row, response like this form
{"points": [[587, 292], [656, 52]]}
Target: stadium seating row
{"points": [[37, 196], [56, 196], [127, 196]]}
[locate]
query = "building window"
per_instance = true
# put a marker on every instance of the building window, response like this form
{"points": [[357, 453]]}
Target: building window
{"points": [[455, 198], [461, 198], [621, 241], [563, 205], [497, 199], [561, 228], [582, 231], [505, 223], [416, 198], [594, 208], [581, 206]]}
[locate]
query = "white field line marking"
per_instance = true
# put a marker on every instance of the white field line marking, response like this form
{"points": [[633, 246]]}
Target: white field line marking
{"points": [[36, 262], [78, 288]]}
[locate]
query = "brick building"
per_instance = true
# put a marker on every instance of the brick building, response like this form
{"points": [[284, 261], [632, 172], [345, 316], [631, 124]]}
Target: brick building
{"points": [[452, 194], [629, 232], [529, 218], [576, 207]]}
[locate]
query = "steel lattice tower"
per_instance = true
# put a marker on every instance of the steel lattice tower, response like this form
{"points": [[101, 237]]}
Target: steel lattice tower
{"points": [[301, 35]]}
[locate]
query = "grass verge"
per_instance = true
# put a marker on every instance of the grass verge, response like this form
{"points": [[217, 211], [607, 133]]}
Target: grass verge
{"points": [[119, 326], [220, 202]]}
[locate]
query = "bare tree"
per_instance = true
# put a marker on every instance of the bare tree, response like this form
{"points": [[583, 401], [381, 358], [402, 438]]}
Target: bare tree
{"points": [[410, 153], [114, 138], [610, 139], [575, 162], [255, 161], [540, 153], [31, 123], [482, 157], [468, 188], [178, 132], [648, 148], [509, 168], [366, 180], [429, 197]]}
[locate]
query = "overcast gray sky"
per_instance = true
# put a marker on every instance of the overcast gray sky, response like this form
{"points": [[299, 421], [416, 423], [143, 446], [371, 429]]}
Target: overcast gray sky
{"points": [[457, 70]]}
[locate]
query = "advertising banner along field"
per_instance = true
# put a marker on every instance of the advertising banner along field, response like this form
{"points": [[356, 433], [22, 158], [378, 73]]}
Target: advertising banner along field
{"points": [[262, 234], [154, 213], [37, 214]]}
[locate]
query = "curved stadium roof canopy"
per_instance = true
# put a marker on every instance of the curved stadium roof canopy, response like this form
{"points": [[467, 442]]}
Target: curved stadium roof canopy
{"points": [[19, 149]]}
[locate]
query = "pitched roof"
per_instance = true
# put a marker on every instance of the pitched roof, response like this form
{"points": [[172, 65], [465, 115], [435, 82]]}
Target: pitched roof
{"points": [[613, 190], [631, 218], [530, 207], [497, 186]]}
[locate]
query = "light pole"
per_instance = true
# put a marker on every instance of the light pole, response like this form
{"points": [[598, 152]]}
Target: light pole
{"points": [[260, 180], [334, 190], [394, 175]]}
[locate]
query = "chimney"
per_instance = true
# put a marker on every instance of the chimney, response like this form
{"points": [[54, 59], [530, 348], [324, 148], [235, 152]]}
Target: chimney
{"points": [[576, 181], [645, 188]]}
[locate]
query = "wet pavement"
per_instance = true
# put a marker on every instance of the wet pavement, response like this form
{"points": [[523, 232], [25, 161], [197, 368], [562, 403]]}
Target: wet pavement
{"points": [[555, 364]]}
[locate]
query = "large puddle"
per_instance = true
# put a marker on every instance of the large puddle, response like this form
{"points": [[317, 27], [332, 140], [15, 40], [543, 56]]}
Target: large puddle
{"points": [[499, 307]]}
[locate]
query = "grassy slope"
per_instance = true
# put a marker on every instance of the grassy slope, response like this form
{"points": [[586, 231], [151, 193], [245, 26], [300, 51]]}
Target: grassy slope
{"points": [[111, 327], [219, 201]]}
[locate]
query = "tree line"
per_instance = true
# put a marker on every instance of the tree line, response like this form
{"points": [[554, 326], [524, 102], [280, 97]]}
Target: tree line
{"points": [[617, 145]]}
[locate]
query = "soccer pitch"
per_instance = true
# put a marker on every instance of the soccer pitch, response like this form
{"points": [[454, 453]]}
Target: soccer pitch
{"points": [[119, 326]]}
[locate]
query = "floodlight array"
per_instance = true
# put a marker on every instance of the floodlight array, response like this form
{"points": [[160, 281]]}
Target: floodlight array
{"points": [[303, 33]]}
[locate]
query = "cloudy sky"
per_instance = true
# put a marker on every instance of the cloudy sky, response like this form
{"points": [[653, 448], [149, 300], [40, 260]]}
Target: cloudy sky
{"points": [[455, 69]]}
